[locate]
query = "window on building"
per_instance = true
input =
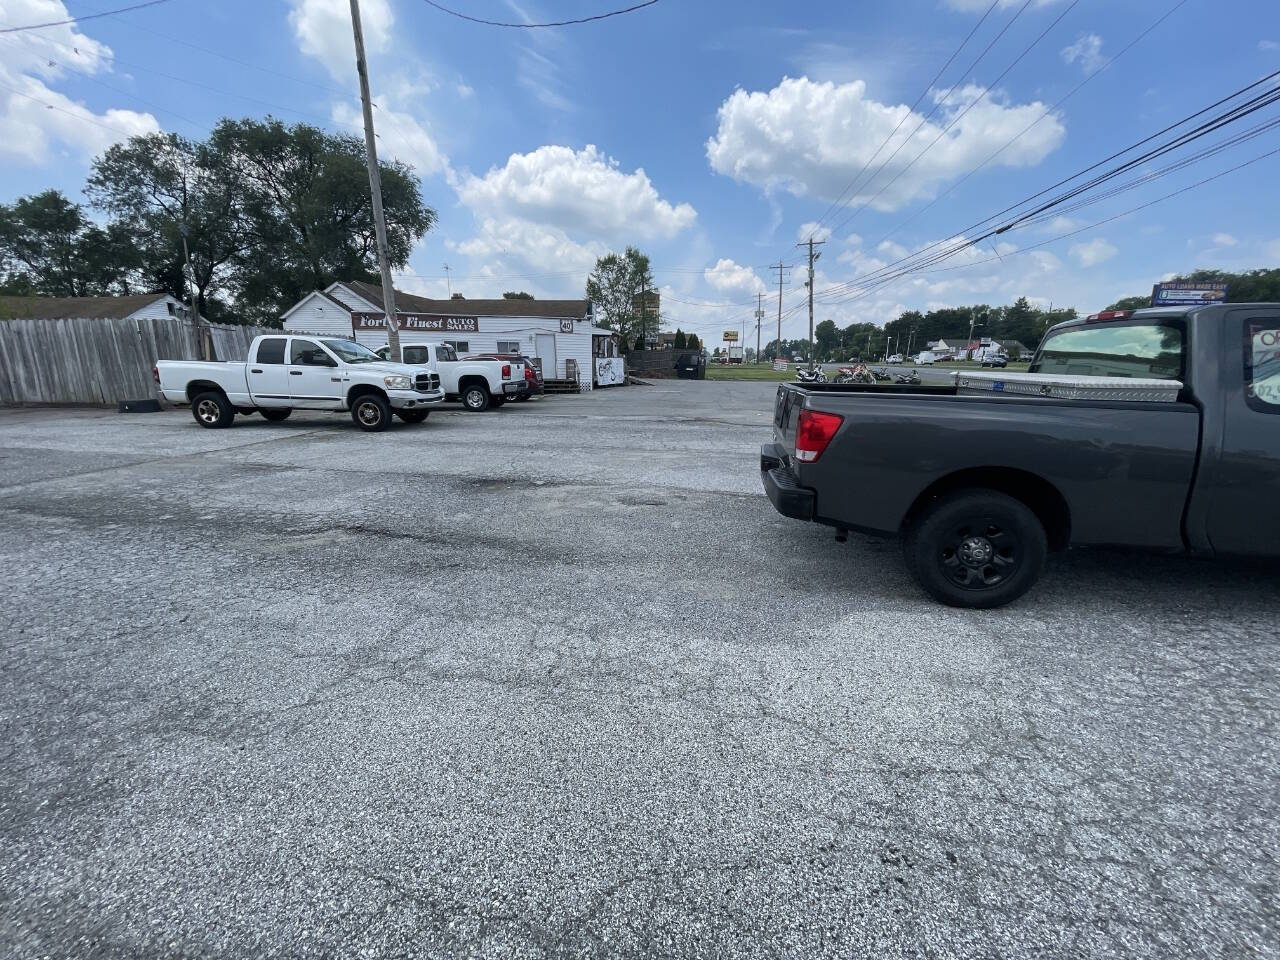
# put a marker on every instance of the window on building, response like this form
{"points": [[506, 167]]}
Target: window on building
{"points": [[508, 346], [271, 350], [460, 346], [1262, 366]]}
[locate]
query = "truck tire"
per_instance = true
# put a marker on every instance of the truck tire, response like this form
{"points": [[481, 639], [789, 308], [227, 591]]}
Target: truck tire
{"points": [[976, 548], [371, 412], [275, 414], [212, 410], [412, 416], [475, 397]]}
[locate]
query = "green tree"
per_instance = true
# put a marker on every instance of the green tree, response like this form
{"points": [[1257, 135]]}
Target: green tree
{"points": [[517, 295], [49, 247], [692, 343], [826, 337], [680, 342], [160, 187], [307, 213], [1130, 303], [614, 287]]}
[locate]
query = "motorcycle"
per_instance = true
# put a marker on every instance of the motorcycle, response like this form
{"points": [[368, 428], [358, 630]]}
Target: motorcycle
{"points": [[911, 378], [858, 374], [811, 375], [881, 375]]}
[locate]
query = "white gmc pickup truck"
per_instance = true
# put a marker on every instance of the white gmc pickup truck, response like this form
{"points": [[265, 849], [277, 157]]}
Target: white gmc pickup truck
{"points": [[479, 384], [286, 373]]}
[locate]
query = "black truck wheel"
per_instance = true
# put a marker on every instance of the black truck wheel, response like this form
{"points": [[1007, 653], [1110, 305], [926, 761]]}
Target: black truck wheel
{"points": [[371, 412], [212, 410], [475, 397], [412, 416], [976, 548], [275, 414]]}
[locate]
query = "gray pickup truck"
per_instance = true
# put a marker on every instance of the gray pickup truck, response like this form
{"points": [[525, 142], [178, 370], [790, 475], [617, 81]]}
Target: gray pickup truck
{"points": [[983, 476]]}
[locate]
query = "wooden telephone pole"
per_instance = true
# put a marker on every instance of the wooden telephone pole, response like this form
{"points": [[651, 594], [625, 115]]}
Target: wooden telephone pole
{"points": [[811, 243], [780, 267], [375, 188]]}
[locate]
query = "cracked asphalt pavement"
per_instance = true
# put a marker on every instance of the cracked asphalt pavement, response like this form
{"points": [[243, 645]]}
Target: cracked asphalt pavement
{"points": [[556, 680]]}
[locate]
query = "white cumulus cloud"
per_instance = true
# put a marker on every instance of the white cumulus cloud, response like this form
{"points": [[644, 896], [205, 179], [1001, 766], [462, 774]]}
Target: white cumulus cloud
{"points": [[1093, 252], [812, 229], [1087, 51], [814, 139], [401, 136], [323, 31], [1224, 240], [35, 119], [730, 277]]}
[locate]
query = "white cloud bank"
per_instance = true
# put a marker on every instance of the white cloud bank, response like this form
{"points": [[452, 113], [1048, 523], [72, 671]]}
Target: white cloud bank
{"points": [[813, 139]]}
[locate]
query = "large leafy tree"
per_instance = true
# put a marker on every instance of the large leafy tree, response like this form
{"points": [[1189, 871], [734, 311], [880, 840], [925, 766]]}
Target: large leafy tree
{"points": [[49, 247], [1250, 286], [614, 286], [307, 213], [161, 188]]}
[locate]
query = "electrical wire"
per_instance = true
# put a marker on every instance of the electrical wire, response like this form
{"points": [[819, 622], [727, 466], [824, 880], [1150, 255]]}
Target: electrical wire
{"points": [[70, 113], [82, 19], [531, 26], [839, 200]]}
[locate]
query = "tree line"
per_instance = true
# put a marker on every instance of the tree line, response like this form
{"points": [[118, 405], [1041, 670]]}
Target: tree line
{"points": [[1251, 286], [268, 213]]}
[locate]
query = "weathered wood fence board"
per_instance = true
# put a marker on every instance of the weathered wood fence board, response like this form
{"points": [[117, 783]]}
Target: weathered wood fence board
{"points": [[80, 360]]}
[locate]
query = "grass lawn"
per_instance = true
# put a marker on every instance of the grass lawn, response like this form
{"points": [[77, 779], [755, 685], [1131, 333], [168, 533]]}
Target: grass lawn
{"points": [[746, 371]]}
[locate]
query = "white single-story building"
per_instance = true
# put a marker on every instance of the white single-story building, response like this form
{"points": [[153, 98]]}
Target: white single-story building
{"points": [[559, 333], [136, 306]]}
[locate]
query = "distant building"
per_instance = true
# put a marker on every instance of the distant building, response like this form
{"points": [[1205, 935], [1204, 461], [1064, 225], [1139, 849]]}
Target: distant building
{"points": [[648, 306], [140, 306]]}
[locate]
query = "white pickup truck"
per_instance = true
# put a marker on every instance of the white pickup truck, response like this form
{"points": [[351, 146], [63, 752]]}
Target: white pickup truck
{"points": [[479, 384], [286, 373]]}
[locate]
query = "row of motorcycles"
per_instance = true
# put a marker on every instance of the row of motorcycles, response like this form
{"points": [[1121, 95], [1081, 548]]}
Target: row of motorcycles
{"points": [[857, 374]]}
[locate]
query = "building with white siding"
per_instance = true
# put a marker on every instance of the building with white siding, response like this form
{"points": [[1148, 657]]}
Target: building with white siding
{"points": [[559, 333], [138, 306]]}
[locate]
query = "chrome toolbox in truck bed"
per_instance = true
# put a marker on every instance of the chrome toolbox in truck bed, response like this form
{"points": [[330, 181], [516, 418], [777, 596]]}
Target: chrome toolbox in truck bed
{"points": [[1062, 387]]}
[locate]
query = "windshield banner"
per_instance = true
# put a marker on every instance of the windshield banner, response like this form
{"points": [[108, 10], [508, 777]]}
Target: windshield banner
{"points": [[420, 322]]}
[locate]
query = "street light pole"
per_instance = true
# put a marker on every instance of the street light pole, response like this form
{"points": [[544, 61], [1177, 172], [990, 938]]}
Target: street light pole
{"points": [[375, 188]]}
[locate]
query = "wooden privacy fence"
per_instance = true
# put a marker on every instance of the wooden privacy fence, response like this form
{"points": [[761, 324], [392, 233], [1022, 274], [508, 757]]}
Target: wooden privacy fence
{"points": [[101, 361]]}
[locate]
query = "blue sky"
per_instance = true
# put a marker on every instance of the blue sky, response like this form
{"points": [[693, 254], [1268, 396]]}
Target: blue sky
{"points": [[713, 135]]}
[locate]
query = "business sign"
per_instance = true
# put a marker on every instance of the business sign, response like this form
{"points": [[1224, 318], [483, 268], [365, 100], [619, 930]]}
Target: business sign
{"points": [[1184, 294], [731, 336], [417, 322]]}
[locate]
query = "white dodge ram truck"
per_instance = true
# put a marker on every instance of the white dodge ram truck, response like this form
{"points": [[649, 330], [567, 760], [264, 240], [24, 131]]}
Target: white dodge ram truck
{"points": [[479, 384], [287, 373]]}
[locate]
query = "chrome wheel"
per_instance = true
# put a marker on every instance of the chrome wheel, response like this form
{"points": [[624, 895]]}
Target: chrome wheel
{"points": [[208, 412], [369, 413]]}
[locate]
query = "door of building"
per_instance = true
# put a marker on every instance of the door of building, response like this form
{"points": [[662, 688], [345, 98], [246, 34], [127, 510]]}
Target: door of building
{"points": [[546, 352]]}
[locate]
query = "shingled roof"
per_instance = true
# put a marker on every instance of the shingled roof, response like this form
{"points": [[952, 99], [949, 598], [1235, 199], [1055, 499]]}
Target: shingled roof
{"points": [[408, 303], [57, 308]]}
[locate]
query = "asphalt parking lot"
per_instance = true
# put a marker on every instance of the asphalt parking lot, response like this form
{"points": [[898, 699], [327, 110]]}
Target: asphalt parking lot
{"points": [[556, 680]]}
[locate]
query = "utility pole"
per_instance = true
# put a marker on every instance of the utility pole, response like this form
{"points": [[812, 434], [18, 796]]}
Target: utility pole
{"points": [[779, 266], [189, 276], [448, 281], [811, 243], [759, 319], [375, 188]]}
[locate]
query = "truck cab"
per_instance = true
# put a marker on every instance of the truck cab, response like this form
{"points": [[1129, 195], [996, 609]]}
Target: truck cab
{"points": [[478, 384]]}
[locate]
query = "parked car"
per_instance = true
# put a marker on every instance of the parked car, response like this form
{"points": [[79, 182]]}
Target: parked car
{"points": [[286, 373], [533, 383], [896, 358], [479, 384], [995, 360], [1178, 450]]}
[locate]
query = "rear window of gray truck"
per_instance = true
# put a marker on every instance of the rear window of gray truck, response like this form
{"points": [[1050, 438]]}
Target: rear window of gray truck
{"points": [[1144, 350]]}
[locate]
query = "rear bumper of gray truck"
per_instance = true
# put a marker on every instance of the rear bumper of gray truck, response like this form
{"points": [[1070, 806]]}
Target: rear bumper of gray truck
{"points": [[780, 484]]}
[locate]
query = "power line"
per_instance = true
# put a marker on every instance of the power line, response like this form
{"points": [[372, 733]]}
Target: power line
{"points": [[839, 200], [1204, 129], [71, 113], [1025, 130], [959, 116], [81, 19], [530, 26]]}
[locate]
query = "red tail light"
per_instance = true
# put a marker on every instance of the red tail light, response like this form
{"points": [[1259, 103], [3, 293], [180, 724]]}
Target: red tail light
{"points": [[506, 371], [155, 374], [528, 374], [1109, 315], [814, 431]]}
